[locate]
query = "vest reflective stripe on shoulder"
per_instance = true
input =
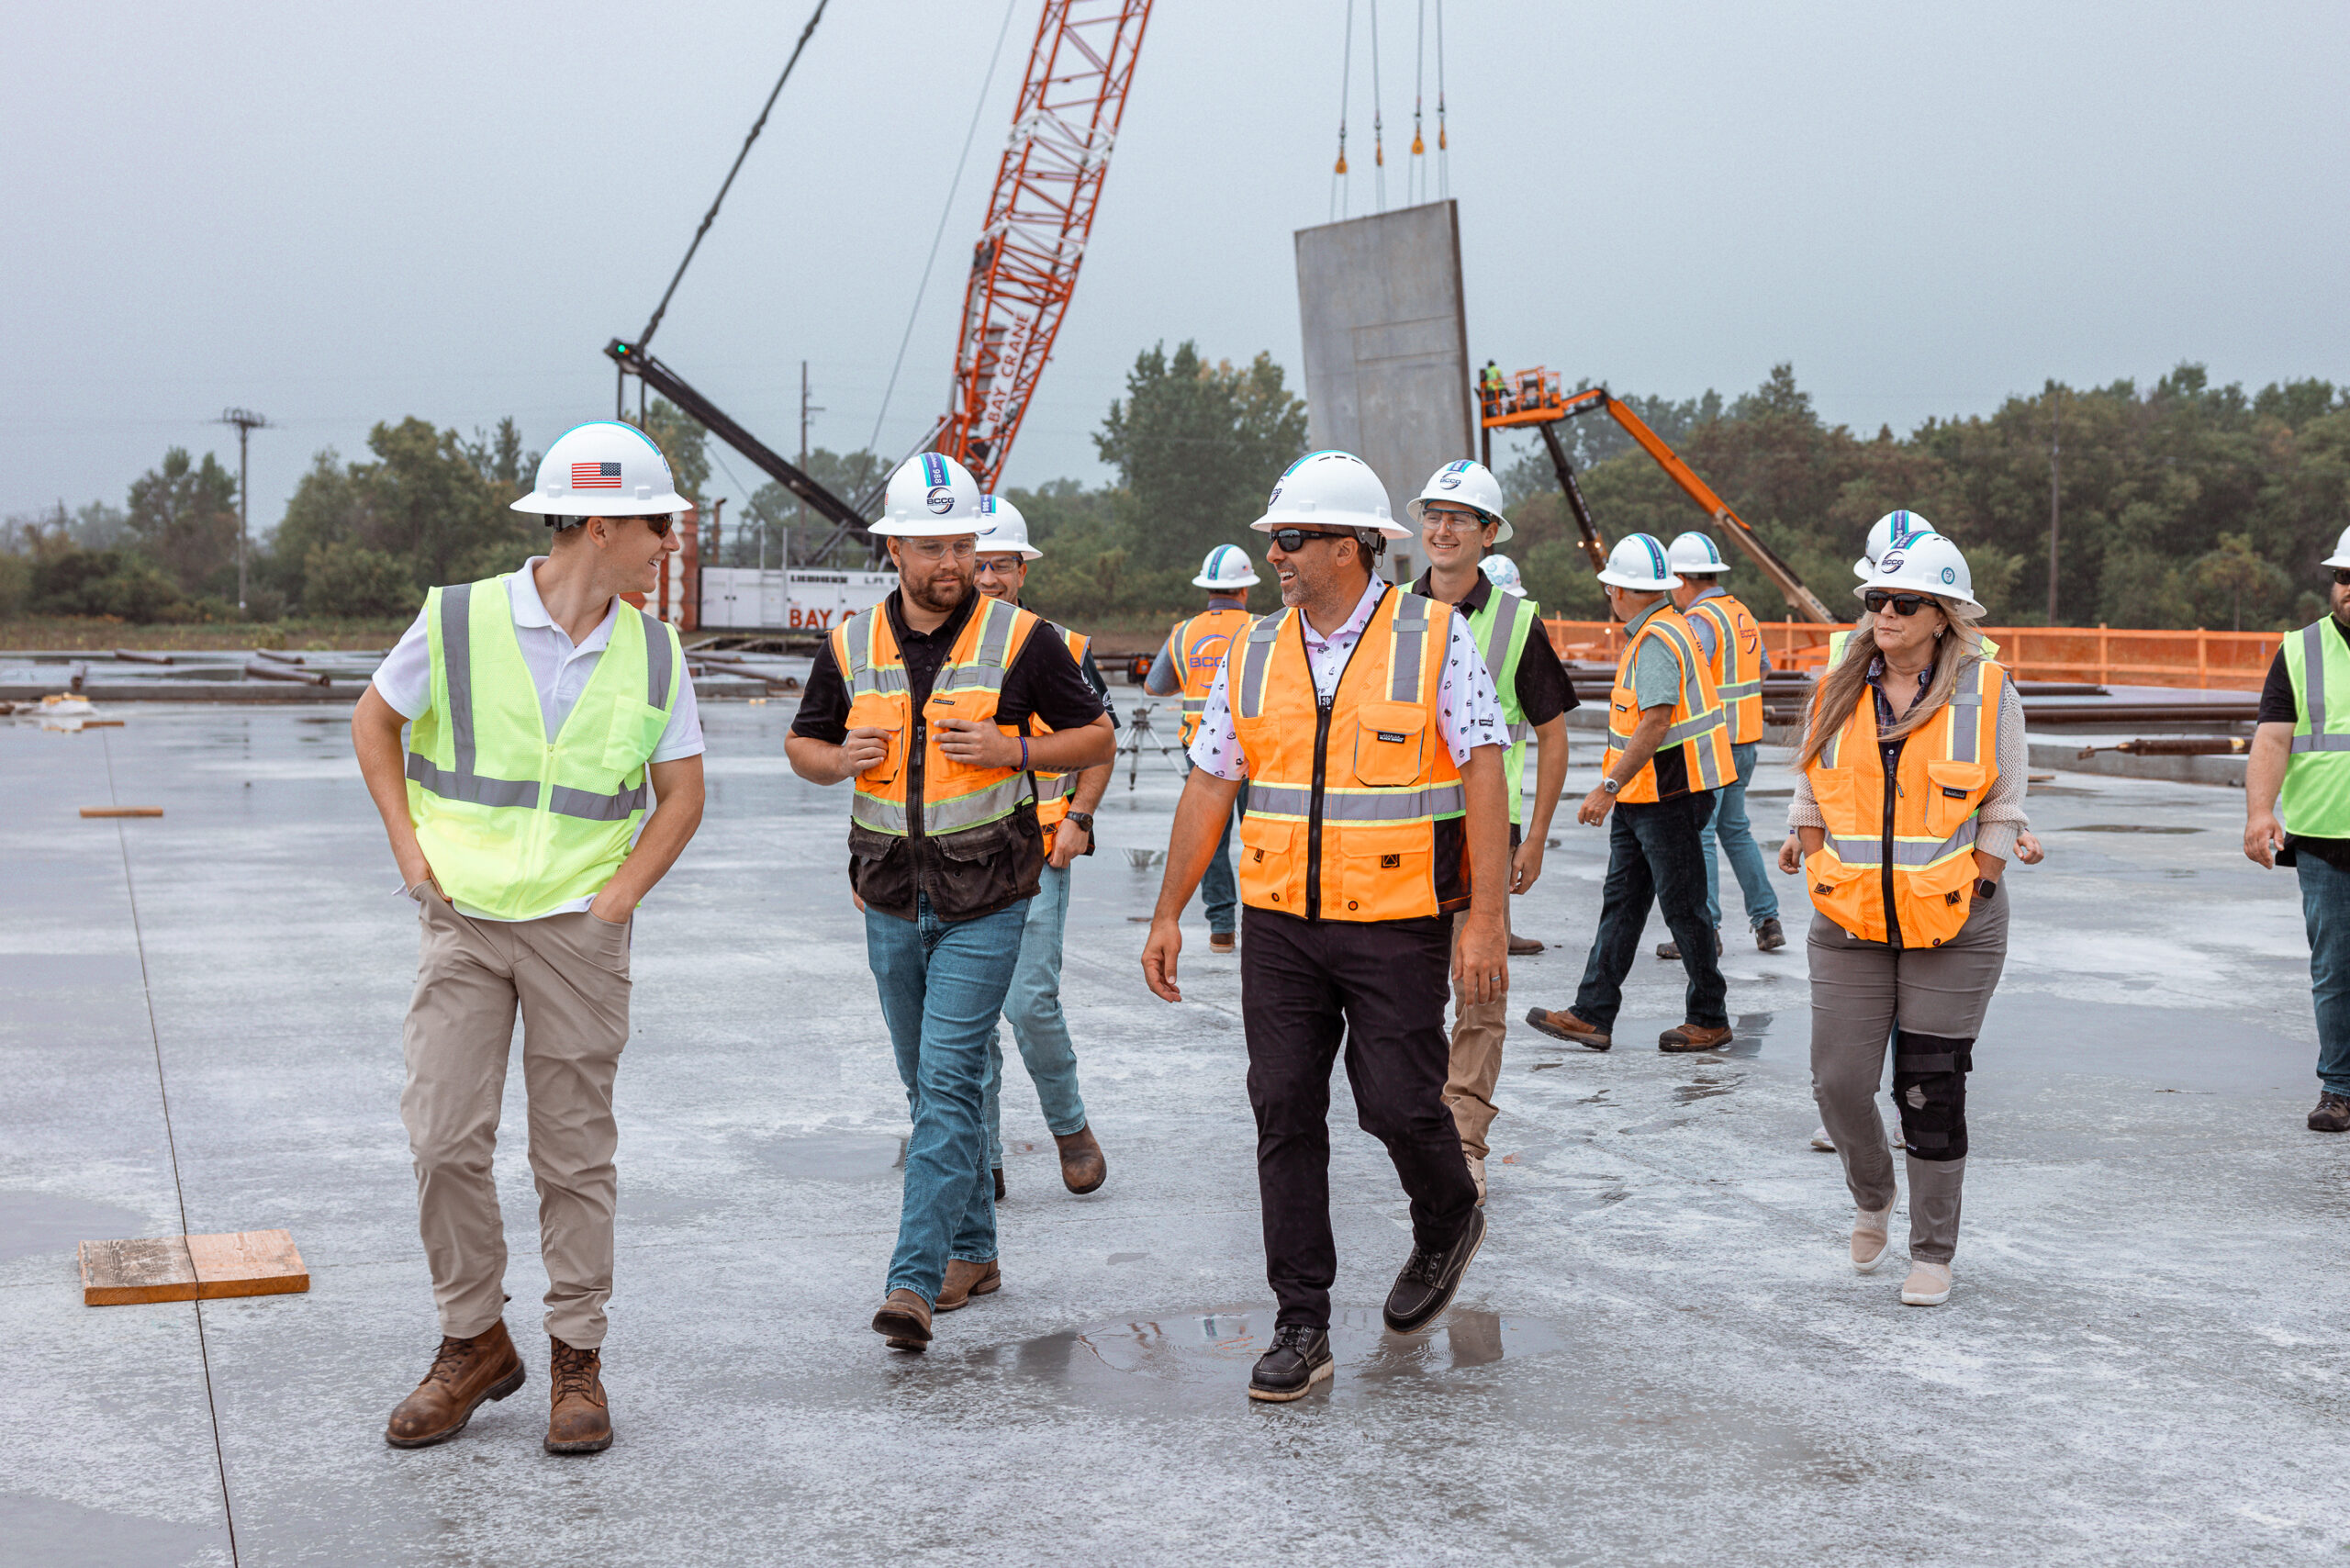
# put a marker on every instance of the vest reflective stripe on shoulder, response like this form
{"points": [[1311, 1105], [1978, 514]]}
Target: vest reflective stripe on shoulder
{"points": [[1255, 660], [2313, 694], [462, 783], [1703, 773], [1408, 640]]}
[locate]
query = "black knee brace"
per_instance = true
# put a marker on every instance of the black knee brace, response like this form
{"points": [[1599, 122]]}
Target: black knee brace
{"points": [[1929, 1089]]}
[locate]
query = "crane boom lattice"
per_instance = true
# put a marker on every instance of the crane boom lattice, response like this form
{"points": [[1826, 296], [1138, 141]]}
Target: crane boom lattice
{"points": [[1047, 186]]}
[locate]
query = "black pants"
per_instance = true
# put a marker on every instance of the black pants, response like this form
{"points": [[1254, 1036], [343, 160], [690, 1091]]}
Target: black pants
{"points": [[1303, 985], [1654, 855]]}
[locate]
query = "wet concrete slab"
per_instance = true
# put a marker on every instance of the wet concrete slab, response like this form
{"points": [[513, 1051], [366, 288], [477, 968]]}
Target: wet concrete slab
{"points": [[1658, 1356]]}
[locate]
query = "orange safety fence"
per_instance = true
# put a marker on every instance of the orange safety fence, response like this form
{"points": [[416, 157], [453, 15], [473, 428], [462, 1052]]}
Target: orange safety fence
{"points": [[2200, 660]]}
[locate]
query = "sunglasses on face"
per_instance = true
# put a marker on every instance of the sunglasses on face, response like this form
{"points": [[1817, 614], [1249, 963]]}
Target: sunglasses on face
{"points": [[1001, 566], [2342, 577], [1292, 540], [1878, 601]]}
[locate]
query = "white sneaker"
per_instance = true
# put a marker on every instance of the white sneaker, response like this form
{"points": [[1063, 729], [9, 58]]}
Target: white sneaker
{"points": [[1872, 1238], [1822, 1141], [1927, 1284], [1477, 1174]]}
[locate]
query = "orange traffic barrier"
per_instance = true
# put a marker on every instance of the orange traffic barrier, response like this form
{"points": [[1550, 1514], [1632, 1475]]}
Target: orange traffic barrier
{"points": [[2110, 656]]}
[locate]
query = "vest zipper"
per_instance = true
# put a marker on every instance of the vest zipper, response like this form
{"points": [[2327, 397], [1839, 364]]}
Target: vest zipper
{"points": [[1321, 706], [1889, 757]]}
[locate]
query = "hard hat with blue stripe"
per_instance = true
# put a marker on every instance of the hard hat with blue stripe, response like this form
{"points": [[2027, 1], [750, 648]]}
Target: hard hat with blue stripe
{"points": [[1227, 566], [1639, 564], [1695, 553], [1001, 528], [1886, 533], [932, 496], [1464, 484], [1329, 491]]}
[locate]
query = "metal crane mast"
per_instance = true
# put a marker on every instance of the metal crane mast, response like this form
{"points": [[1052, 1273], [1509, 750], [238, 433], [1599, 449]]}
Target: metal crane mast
{"points": [[1047, 186]]}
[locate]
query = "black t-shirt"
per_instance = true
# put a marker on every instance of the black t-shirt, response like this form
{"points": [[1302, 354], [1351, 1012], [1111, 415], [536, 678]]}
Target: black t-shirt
{"points": [[1043, 679], [1543, 689], [2279, 705]]}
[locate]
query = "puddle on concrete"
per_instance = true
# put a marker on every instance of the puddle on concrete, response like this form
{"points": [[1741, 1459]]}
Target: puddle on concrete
{"points": [[1210, 1354], [2125, 827], [52, 1222], [66, 1535], [836, 1157], [1128, 1257], [1704, 1089]]}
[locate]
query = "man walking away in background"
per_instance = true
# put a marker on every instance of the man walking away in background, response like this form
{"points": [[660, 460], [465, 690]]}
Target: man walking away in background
{"points": [[1188, 664]]}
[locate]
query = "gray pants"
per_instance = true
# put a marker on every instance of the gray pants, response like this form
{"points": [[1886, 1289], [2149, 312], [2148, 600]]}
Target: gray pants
{"points": [[1929, 1003]]}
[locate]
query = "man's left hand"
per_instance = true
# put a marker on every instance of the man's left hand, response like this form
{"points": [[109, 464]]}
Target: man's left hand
{"points": [[1595, 807], [1481, 962], [974, 743], [1069, 841], [1526, 865]]}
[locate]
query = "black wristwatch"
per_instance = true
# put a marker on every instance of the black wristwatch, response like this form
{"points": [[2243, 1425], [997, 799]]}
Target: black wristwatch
{"points": [[1984, 887], [1085, 821]]}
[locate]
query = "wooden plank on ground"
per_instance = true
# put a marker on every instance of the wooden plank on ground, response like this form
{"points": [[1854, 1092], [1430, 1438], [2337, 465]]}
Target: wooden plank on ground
{"points": [[191, 1268], [122, 811]]}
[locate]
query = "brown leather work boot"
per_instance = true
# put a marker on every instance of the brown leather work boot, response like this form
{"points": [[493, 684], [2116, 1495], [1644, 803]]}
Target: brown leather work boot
{"points": [[1527, 947], [903, 1321], [578, 1420], [965, 1280], [1083, 1165], [1693, 1038], [464, 1373], [1568, 1025]]}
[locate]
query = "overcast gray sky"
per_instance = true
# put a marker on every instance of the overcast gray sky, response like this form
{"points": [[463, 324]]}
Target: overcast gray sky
{"points": [[344, 214]]}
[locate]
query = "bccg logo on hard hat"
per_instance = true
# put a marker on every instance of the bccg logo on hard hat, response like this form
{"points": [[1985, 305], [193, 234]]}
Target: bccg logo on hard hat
{"points": [[1451, 481], [941, 499], [1890, 560]]}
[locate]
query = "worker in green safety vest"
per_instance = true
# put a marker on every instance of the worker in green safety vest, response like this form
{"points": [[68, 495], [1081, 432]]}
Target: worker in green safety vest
{"points": [[2300, 765], [1459, 514], [552, 774]]}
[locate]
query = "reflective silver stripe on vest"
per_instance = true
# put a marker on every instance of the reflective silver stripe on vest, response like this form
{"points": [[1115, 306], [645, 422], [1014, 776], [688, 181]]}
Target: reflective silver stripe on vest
{"points": [[656, 661], [2313, 693], [1448, 799], [881, 815], [1409, 638], [566, 802], [462, 783], [1869, 852], [976, 809], [1497, 639], [986, 668], [1742, 689], [1249, 701], [1967, 716]]}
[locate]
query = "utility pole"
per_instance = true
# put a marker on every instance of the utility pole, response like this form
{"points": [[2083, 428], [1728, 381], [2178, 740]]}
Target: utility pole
{"points": [[717, 509], [806, 408], [2056, 399], [246, 421]]}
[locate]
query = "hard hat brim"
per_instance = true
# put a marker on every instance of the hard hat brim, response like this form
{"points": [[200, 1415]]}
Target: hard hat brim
{"points": [[1639, 585], [1204, 580], [944, 528], [1864, 567], [600, 503], [1411, 510], [1025, 552], [2340, 558], [1338, 523], [1899, 585]]}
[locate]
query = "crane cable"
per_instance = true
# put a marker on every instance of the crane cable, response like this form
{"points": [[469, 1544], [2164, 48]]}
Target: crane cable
{"points": [[1378, 147], [1443, 165], [1419, 148], [1346, 78]]}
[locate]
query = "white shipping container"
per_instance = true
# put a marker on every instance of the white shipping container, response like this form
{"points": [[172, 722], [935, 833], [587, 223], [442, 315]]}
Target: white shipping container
{"points": [[804, 599]]}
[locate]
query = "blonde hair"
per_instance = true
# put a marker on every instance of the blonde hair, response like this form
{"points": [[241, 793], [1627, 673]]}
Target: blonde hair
{"points": [[1846, 684]]}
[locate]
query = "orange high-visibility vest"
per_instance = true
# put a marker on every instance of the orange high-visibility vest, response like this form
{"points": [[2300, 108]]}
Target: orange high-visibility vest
{"points": [[955, 798], [1700, 725], [1055, 792], [1737, 665], [1900, 870], [1355, 807], [1198, 646]]}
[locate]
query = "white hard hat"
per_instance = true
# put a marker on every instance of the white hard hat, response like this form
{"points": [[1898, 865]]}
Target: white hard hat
{"points": [[1003, 529], [1639, 563], [1466, 484], [1884, 532], [1329, 491], [2341, 556], [1923, 563], [1694, 553], [1227, 566], [930, 497], [1502, 572], [603, 469]]}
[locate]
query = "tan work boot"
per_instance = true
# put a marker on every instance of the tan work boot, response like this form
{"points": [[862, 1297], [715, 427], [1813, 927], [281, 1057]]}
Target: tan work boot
{"points": [[1570, 1026], [578, 1419], [464, 1373], [1477, 1174], [1083, 1165], [1693, 1038], [903, 1321], [1927, 1284], [965, 1280], [1872, 1238]]}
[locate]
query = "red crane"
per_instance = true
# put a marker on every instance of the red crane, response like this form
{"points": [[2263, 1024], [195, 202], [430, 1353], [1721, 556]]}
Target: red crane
{"points": [[1046, 187]]}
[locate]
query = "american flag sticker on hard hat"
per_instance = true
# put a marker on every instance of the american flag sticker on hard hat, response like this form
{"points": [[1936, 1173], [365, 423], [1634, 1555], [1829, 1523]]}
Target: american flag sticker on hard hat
{"points": [[594, 475]]}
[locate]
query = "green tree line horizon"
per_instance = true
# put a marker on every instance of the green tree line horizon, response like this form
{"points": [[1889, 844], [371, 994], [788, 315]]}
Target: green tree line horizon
{"points": [[2182, 504]]}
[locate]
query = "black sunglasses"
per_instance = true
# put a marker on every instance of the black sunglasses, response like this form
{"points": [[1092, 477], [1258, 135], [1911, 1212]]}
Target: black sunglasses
{"points": [[1292, 540], [2342, 577], [1905, 604]]}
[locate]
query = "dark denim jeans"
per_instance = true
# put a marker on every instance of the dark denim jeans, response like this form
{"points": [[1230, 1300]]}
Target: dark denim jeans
{"points": [[942, 988], [1654, 856], [2325, 906]]}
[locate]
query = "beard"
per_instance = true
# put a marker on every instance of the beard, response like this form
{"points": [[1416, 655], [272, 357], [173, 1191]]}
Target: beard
{"points": [[940, 592]]}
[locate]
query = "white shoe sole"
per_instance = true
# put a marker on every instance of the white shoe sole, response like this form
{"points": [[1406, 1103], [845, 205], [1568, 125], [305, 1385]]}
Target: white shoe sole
{"points": [[1871, 1266], [1284, 1397], [1925, 1298], [1822, 1142]]}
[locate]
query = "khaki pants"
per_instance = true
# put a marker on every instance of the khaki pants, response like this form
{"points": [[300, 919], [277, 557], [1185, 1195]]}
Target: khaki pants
{"points": [[1477, 1029], [569, 975]]}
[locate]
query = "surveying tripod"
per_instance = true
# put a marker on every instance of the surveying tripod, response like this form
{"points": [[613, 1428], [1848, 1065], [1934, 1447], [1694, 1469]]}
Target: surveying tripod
{"points": [[1140, 737]]}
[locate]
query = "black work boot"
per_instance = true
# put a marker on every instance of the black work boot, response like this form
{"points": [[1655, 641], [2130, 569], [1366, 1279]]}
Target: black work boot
{"points": [[1300, 1359], [2333, 1113], [1770, 937], [1425, 1287]]}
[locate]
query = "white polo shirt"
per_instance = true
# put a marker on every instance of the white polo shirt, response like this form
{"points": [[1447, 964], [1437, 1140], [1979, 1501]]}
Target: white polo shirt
{"points": [[559, 669]]}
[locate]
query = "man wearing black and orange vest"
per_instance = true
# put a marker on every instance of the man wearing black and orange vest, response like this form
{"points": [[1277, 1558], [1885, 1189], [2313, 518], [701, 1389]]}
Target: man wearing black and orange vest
{"points": [[1186, 664], [920, 700], [1369, 735], [1668, 751]]}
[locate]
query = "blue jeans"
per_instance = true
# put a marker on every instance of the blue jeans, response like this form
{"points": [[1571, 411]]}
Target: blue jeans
{"points": [[2325, 905], [942, 987], [1737, 835], [1220, 889], [1652, 859], [1032, 1008]]}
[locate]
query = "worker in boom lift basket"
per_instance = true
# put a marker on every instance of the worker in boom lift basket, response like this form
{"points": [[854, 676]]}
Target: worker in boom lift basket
{"points": [[1668, 755], [1367, 730], [920, 701], [1459, 514], [1065, 804], [1188, 662], [1911, 928], [544, 715]]}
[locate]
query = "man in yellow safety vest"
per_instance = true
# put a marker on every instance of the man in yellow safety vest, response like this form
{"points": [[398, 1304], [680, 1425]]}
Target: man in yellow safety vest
{"points": [[544, 715], [1187, 663]]}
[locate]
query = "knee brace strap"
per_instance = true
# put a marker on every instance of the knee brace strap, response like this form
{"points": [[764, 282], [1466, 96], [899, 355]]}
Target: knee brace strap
{"points": [[1929, 1089]]}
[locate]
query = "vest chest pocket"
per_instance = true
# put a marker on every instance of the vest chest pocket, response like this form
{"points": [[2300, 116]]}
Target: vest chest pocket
{"points": [[635, 733], [1953, 791], [872, 710], [1390, 743], [1835, 791]]}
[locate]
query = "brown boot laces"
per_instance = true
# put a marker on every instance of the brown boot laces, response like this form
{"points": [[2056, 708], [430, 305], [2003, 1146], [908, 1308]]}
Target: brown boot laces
{"points": [[449, 1365], [574, 1372]]}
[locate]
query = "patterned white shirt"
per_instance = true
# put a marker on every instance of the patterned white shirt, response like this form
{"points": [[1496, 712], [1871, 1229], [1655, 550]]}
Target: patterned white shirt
{"points": [[1468, 710]]}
